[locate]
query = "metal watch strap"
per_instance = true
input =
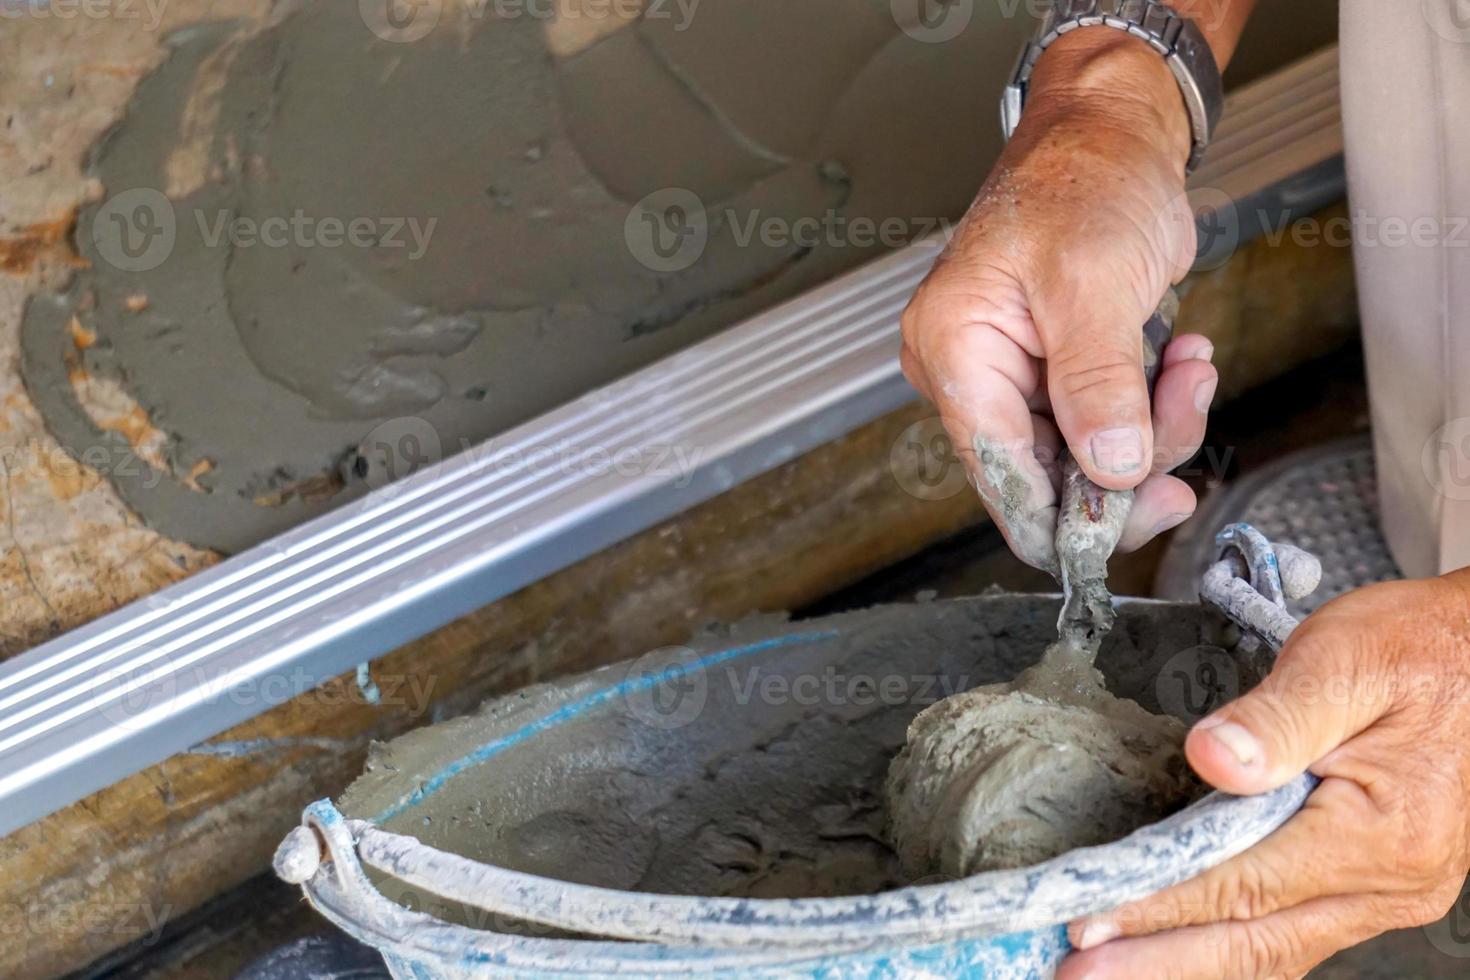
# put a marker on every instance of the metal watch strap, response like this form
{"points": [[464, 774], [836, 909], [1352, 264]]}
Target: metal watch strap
{"points": [[1178, 39]]}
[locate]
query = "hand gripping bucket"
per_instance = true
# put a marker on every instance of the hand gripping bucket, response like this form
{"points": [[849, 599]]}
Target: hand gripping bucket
{"points": [[682, 814]]}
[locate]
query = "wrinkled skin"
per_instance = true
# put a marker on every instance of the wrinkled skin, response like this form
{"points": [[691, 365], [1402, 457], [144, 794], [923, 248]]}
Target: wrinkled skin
{"points": [[1025, 337], [1372, 694], [1028, 330]]}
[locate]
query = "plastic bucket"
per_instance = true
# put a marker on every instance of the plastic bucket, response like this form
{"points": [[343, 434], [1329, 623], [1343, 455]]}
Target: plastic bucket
{"points": [[709, 810]]}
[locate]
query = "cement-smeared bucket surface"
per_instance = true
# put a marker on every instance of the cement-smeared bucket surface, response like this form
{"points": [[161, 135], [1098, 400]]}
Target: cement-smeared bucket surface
{"points": [[749, 763]]}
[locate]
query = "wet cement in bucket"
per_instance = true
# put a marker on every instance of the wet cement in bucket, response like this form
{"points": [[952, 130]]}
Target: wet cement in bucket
{"points": [[1014, 774], [761, 775]]}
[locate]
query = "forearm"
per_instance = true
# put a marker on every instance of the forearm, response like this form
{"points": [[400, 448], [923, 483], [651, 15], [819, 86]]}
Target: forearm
{"points": [[1141, 93]]}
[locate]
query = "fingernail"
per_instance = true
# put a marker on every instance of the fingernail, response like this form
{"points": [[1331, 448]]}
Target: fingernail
{"points": [[1204, 395], [1095, 932], [1237, 741], [1118, 450], [1169, 523], [1205, 353]]}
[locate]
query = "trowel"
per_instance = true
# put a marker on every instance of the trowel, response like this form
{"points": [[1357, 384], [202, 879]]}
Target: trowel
{"points": [[1090, 519]]}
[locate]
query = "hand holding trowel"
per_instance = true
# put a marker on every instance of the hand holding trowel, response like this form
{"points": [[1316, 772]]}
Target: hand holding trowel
{"points": [[1090, 519]]}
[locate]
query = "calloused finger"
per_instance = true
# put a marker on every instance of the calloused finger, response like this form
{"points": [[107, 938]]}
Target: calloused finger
{"points": [[1188, 347], [1291, 867], [978, 377], [1182, 400], [1048, 448], [913, 370], [1160, 503], [1285, 944]]}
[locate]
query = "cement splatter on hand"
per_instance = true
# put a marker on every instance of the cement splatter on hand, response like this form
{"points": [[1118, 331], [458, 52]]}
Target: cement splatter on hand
{"points": [[1022, 503]]}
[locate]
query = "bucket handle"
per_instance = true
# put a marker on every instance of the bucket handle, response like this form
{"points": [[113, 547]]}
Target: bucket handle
{"points": [[322, 857], [994, 903]]}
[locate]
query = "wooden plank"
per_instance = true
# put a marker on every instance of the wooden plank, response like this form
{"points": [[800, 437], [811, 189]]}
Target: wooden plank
{"points": [[1276, 303]]}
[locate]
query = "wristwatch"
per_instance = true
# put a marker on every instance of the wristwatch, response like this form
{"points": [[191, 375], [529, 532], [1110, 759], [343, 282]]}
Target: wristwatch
{"points": [[1178, 39]]}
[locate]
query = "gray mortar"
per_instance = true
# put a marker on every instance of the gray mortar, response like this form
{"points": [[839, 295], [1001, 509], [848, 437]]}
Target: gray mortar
{"points": [[755, 796], [275, 364], [1014, 774], [1089, 524]]}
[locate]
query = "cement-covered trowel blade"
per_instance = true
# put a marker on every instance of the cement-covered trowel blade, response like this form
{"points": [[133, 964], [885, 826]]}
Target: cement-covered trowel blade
{"points": [[1089, 525], [1091, 519]]}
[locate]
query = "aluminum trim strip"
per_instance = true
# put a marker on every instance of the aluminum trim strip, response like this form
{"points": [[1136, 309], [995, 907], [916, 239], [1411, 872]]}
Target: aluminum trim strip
{"points": [[156, 677]]}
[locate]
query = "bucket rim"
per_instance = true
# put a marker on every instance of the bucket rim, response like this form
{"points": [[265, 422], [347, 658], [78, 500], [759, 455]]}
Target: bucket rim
{"points": [[796, 637], [991, 904]]}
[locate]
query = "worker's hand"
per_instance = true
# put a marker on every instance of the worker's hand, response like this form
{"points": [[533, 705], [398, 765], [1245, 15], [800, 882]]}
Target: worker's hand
{"points": [[1032, 320], [1372, 694]]}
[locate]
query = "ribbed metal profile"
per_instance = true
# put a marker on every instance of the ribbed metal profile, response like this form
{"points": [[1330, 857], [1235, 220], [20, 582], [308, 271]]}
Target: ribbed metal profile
{"points": [[158, 676]]}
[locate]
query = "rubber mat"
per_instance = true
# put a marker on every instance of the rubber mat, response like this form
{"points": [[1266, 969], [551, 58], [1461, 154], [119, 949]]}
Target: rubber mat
{"points": [[1323, 499]]}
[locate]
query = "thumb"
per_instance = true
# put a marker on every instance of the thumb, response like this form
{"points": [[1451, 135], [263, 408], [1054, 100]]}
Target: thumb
{"points": [[1094, 374], [1309, 705]]}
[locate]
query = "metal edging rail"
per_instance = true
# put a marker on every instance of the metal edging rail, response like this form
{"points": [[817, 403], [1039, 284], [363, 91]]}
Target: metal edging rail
{"points": [[162, 674], [157, 676]]}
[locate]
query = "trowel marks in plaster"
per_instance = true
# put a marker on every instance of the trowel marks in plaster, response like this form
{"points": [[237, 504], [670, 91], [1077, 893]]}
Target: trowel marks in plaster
{"points": [[359, 231]]}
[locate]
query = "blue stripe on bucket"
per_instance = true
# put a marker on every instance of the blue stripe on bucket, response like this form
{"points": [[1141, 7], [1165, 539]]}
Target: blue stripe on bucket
{"points": [[569, 711]]}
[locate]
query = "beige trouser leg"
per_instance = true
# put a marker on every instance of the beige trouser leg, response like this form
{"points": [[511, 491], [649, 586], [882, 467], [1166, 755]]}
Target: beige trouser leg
{"points": [[1406, 110]]}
